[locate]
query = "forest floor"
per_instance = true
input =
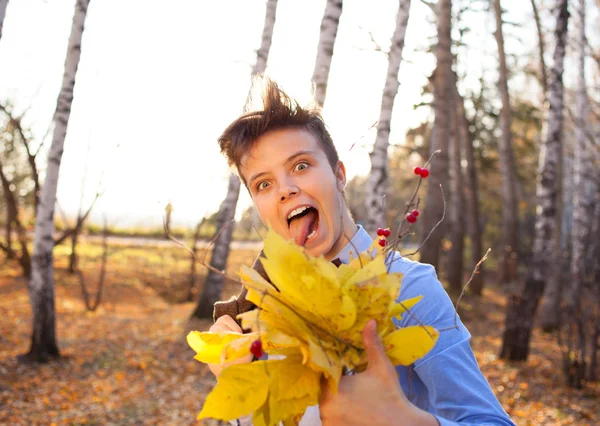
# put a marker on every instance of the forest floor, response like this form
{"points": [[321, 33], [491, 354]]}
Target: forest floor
{"points": [[128, 363]]}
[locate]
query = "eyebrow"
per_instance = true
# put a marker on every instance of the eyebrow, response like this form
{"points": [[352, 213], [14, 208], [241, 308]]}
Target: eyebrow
{"points": [[288, 161]]}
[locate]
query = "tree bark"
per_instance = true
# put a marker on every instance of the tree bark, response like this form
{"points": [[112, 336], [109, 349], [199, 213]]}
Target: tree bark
{"points": [[442, 92], [7, 248], [192, 290], [522, 309], [584, 176], [41, 285], [377, 182], [73, 255], [213, 285], [457, 203], [13, 217], [507, 168], [329, 29], [472, 196], [3, 4]]}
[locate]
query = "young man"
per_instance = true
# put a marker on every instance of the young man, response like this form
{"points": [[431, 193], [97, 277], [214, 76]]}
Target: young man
{"points": [[286, 158]]}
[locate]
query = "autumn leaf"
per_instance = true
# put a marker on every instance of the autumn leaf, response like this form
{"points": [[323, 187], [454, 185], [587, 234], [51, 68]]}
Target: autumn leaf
{"points": [[240, 391], [405, 345]]}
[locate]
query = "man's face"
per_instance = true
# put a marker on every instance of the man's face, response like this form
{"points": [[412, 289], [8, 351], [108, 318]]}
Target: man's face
{"points": [[296, 191]]}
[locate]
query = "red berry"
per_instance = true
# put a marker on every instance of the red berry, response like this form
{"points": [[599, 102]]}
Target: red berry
{"points": [[387, 233], [415, 213], [417, 170], [424, 173], [380, 232], [256, 349], [411, 218], [382, 243]]}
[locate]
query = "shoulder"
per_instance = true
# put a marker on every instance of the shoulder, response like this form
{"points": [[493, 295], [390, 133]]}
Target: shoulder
{"points": [[420, 279], [408, 267]]}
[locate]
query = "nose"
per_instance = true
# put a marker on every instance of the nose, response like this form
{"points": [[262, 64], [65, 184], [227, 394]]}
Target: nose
{"points": [[287, 190]]}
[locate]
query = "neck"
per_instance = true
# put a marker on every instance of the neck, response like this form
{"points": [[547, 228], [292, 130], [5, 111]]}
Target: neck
{"points": [[348, 231]]}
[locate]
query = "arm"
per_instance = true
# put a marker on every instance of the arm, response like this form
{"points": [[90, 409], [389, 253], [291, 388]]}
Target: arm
{"points": [[457, 392]]}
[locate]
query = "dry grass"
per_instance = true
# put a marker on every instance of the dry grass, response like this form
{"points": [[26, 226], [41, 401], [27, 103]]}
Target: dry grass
{"points": [[128, 363]]}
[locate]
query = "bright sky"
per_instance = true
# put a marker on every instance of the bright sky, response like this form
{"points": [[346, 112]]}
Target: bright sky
{"points": [[161, 82]]}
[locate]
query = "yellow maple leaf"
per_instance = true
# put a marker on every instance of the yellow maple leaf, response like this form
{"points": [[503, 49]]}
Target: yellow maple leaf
{"points": [[239, 392], [405, 345], [211, 347]]}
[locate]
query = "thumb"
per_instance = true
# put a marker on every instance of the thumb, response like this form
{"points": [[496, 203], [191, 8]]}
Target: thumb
{"points": [[375, 351]]}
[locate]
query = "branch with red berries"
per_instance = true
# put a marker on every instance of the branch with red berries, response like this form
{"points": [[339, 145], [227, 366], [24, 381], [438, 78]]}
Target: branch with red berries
{"points": [[411, 213]]}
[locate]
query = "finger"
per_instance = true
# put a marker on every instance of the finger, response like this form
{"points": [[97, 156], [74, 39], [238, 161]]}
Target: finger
{"points": [[376, 356], [325, 392], [230, 323]]}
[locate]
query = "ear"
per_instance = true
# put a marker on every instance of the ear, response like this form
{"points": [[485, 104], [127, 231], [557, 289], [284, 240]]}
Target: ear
{"points": [[340, 175]]}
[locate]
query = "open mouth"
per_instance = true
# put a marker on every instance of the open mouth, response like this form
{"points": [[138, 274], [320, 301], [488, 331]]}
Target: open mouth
{"points": [[303, 224]]}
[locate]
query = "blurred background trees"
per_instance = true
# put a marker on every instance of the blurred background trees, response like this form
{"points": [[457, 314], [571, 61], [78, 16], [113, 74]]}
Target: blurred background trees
{"points": [[519, 162]]}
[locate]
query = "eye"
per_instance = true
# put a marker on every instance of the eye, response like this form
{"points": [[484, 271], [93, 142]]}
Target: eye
{"points": [[262, 185], [303, 165]]}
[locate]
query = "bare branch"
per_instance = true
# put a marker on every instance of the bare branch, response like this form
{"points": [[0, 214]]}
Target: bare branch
{"points": [[92, 306], [475, 271], [80, 220], [432, 6], [434, 228]]}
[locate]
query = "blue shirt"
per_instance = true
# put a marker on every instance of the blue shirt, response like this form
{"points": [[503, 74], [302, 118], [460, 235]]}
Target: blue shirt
{"points": [[447, 381]]}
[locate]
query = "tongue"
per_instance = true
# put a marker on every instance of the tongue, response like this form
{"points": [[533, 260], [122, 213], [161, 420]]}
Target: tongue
{"points": [[302, 226]]}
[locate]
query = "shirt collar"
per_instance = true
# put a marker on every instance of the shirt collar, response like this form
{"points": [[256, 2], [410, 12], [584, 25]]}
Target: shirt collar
{"points": [[361, 242]]}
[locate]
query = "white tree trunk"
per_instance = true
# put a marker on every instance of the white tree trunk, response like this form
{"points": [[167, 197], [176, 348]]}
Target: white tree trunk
{"points": [[442, 93], [521, 310], [549, 184], [41, 285], [377, 182], [262, 54], [507, 168], [329, 29], [213, 284], [3, 4], [585, 190]]}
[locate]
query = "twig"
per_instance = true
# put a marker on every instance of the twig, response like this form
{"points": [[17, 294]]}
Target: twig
{"points": [[363, 135], [399, 236], [436, 225], [86, 297], [475, 272]]}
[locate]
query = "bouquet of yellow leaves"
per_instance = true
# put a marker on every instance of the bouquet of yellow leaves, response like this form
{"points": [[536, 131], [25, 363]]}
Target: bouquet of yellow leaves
{"points": [[309, 323]]}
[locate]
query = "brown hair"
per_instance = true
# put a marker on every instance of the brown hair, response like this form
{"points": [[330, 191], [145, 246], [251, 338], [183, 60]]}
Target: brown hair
{"points": [[278, 111]]}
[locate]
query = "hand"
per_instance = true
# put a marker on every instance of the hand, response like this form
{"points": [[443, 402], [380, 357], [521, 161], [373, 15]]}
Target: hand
{"points": [[226, 324], [373, 397]]}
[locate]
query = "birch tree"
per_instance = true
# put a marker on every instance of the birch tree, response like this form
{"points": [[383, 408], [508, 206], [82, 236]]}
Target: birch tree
{"points": [[329, 29], [442, 93], [584, 191], [41, 284], [213, 285], [507, 168], [377, 182], [521, 309], [3, 4]]}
